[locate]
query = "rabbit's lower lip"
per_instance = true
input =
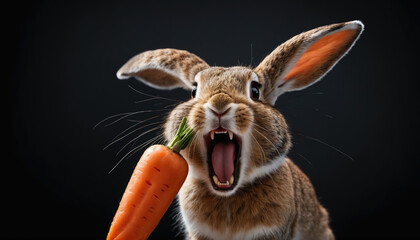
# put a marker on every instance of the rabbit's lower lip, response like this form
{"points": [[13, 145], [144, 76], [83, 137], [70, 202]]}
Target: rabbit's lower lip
{"points": [[223, 169]]}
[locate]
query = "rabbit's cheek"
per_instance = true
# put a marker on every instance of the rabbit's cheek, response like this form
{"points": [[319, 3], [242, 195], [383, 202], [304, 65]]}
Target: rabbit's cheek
{"points": [[195, 156], [197, 117], [175, 118], [195, 151], [243, 118]]}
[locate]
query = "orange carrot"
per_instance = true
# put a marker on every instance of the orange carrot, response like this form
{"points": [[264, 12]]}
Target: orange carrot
{"points": [[154, 184]]}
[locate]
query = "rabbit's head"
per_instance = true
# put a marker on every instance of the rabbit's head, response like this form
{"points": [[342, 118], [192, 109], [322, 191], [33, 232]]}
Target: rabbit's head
{"points": [[240, 136]]}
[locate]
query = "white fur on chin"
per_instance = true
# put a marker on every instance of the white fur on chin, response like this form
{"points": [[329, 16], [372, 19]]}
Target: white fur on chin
{"points": [[204, 230]]}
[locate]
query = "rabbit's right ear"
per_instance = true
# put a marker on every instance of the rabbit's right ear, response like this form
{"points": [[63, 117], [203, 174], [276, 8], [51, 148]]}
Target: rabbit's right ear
{"points": [[164, 68], [306, 58]]}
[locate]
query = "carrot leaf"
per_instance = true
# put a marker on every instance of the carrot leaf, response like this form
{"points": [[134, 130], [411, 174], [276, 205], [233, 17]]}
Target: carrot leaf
{"points": [[182, 138]]}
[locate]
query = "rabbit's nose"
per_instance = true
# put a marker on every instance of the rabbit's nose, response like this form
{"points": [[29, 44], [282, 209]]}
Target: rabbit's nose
{"points": [[219, 113], [219, 103]]}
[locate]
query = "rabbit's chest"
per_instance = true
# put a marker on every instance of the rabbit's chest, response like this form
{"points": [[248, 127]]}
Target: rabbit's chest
{"points": [[250, 214]]}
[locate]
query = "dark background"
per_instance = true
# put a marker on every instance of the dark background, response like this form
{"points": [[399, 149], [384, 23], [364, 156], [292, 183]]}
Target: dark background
{"points": [[355, 132]]}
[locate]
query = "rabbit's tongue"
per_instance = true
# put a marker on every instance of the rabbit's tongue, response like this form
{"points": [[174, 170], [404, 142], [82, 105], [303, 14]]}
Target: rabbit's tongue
{"points": [[222, 158]]}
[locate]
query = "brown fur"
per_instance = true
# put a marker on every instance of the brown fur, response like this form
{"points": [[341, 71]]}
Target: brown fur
{"points": [[273, 199], [183, 64], [285, 199]]}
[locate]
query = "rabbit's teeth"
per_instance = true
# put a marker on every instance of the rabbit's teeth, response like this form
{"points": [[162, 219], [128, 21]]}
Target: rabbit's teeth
{"points": [[212, 132], [220, 131], [216, 180], [231, 180], [230, 134], [218, 183]]}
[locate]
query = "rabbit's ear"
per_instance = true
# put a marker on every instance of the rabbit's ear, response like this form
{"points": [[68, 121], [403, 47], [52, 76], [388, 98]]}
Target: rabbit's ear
{"points": [[164, 68], [306, 58]]}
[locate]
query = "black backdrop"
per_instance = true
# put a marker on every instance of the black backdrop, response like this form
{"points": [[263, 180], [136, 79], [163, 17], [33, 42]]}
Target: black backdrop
{"points": [[354, 132]]}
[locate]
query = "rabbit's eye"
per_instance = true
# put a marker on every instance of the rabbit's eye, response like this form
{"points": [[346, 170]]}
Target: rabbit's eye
{"points": [[255, 90], [193, 92]]}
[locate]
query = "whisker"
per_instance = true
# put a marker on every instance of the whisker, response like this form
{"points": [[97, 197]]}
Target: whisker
{"points": [[134, 113], [262, 128], [170, 105], [149, 142], [125, 115], [146, 100], [259, 146], [308, 137], [116, 115], [161, 140], [157, 97], [315, 93], [272, 144], [135, 142], [194, 144], [139, 136], [328, 145], [307, 160], [132, 151], [135, 130], [137, 122]]}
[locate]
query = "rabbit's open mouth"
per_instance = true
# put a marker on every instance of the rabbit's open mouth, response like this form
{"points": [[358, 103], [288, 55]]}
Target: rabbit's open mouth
{"points": [[223, 151]]}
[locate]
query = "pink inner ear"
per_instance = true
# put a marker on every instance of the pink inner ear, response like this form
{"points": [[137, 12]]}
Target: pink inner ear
{"points": [[318, 54]]}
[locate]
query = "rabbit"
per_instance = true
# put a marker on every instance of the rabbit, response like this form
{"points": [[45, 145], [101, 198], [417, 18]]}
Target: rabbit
{"points": [[241, 184]]}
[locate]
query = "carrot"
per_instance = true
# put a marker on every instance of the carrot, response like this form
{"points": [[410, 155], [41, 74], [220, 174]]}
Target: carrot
{"points": [[154, 184]]}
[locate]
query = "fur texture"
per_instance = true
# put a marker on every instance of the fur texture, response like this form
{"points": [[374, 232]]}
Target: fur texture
{"points": [[268, 196]]}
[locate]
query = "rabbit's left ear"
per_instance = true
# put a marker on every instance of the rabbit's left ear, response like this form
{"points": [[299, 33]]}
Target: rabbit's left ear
{"points": [[164, 68], [306, 58]]}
